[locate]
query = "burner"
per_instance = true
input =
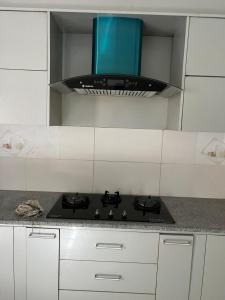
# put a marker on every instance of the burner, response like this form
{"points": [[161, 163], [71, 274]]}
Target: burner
{"points": [[74, 201], [148, 204], [111, 199]]}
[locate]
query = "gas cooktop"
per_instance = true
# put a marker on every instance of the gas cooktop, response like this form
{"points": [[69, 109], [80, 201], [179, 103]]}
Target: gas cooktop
{"points": [[111, 207]]}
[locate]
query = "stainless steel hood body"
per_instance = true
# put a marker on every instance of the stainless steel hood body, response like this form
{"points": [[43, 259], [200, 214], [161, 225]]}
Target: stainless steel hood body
{"points": [[116, 61]]}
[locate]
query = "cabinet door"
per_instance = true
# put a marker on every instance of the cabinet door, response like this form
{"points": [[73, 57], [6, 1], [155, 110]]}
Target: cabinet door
{"points": [[214, 272], [204, 104], [42, 264], [23, 39], [20, 262], [23, 97], [6, 263], [174, 267], [206, 47]]}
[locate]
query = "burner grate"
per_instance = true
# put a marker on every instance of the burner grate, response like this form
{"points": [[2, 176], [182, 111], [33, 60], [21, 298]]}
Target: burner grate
{"points": [[74, 201], [111, 199]]}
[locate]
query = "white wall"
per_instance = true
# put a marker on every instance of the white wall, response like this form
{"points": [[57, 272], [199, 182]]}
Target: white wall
{"points": [[193, 6]]}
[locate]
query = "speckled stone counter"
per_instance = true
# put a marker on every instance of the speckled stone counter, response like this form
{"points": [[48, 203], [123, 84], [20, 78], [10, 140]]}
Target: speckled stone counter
{"points": [[190, 214]]}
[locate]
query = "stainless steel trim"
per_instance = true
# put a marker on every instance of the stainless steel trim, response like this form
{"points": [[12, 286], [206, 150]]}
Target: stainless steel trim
{"points": [[109, 246], [177, 242], [108, 277], [40, 235]]}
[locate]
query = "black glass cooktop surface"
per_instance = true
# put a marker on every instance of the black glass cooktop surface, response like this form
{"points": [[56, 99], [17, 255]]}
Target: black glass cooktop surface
{"points": [[111, 207]]}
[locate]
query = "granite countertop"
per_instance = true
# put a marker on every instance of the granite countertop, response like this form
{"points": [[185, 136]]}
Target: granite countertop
{"points": [[190, 214]]}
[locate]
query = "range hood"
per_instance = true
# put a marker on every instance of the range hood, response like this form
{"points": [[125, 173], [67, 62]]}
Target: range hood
{"points": [[116, 63]]}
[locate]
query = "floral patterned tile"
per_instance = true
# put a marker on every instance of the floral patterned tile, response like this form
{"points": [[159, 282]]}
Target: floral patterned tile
{"points": [[29, 142]]}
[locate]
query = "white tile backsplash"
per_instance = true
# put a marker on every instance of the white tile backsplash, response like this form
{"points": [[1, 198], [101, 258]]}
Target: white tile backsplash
{"points": [[129, 160], [209, 181], [135, 145], [201, 181], [59, 175], [127, 177], [179, 147], [177, 180], [12, 173], [76, 143], [43, 142]]}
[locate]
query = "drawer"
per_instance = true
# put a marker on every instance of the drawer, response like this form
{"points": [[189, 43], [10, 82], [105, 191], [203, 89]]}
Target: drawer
{"points": [[109, 246], [73, 295], [107, 276]]}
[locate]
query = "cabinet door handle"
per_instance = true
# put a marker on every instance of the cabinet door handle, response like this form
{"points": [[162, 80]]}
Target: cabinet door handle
{"points": [[36, 235], [108, 277], [177, 242], [109, 246]]}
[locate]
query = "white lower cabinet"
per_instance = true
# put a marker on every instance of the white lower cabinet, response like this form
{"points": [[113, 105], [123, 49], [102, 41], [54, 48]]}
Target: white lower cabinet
{"points": [[74, 295], [214, 272], [174, 267], [6, 263], [42, 264], [42, 272]]}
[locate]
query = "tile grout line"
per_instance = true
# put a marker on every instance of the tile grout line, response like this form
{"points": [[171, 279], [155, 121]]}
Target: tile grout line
{"points": [[26, 173], [160, 164], [93, 171]]}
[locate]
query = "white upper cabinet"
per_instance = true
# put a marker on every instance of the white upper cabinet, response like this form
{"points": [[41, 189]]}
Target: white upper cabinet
{"points": [[23, 39], [204, 104], [214, 273], [23, 97], [6, 262], [206, 47]]}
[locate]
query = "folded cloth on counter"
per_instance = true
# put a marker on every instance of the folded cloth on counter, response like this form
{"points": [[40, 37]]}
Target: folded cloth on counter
{"points": [[30, 208]]}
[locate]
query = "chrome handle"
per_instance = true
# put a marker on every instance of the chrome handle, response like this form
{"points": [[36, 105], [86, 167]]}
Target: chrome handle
{"points": [[40, 235], [108, 277], [109, 246], [177, 242]]}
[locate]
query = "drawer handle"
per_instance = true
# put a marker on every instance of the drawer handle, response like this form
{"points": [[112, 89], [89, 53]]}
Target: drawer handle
{"points": [[109, 246], [177, 242], [37, 235], [108, 277]]}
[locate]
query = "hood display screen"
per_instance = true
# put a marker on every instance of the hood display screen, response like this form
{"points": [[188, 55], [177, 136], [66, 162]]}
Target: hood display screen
{"points": [[115, 82]]}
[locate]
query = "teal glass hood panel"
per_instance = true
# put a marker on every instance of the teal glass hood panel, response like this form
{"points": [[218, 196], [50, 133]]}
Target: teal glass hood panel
{"points": [[117, 43]]}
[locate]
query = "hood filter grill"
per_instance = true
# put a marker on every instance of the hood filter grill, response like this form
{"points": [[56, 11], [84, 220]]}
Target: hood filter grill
{"points": [[120, 93]]}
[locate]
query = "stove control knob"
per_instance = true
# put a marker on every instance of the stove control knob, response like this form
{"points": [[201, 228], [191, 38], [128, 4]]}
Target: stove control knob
{"points": [[110, 214], [124, 215], [97, 213]]}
